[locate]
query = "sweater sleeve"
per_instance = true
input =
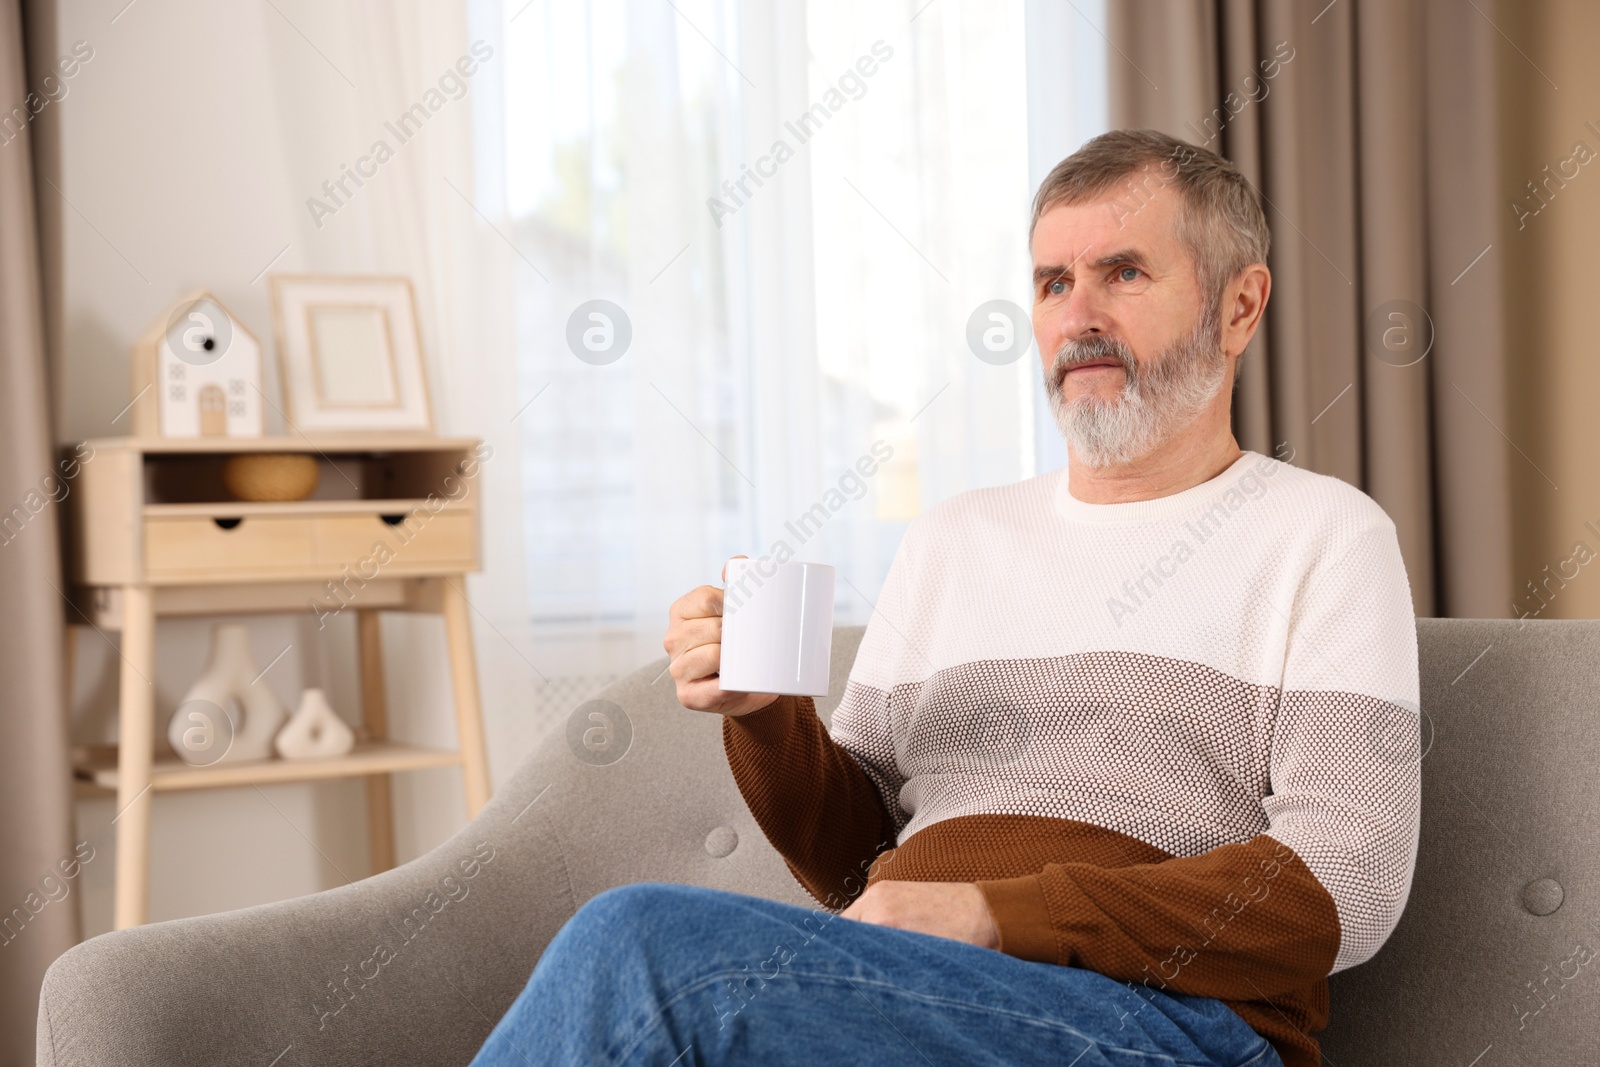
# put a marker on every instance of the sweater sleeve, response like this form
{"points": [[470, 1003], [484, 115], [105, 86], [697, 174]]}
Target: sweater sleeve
{"points": [[1324, 885], [828, 799], [809, 796]]}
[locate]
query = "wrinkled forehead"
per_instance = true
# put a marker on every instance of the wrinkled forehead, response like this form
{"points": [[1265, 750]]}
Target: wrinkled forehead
{"points": [[1138, 212]]}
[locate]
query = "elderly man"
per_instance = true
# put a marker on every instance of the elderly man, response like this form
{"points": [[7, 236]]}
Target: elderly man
{"points": [[1127, 763]]}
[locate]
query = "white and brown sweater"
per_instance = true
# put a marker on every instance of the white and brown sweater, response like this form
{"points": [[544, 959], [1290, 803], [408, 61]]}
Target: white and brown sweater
{"points": [[1174, 741]]}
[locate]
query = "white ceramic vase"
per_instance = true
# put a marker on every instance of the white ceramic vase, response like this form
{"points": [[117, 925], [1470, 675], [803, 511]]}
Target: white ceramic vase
{"points": [[229, 714], [315, 731]]}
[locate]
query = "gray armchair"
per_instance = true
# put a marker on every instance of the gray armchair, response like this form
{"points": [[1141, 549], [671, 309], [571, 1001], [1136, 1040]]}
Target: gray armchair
{"points": [[414, 966]]}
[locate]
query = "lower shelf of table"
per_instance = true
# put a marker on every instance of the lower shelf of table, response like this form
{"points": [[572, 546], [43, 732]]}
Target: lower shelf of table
{"points": [[97, 765]]}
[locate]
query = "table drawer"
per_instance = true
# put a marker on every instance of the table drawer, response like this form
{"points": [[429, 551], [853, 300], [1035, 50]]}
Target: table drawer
{"points": [[201, 545], [417, 540]]}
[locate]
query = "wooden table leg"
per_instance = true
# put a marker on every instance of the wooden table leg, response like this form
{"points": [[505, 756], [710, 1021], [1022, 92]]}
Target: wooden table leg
{"points": [[375, 713], [464, 675], [135, 730]]}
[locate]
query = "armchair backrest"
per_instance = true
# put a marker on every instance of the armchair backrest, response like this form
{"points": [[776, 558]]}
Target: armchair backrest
{"points": [[1504, 908]]}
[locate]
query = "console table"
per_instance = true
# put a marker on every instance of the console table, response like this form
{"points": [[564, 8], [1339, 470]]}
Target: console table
{"points": [[152, 532]]}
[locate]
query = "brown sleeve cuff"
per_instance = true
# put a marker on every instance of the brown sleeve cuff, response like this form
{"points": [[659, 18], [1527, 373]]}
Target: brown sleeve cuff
{"points": [[767, 726], [1020, 913]]}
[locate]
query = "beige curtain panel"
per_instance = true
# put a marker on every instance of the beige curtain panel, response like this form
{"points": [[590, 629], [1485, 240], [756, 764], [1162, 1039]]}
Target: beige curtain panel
{"points": [[1369, 128], [38, 901]]}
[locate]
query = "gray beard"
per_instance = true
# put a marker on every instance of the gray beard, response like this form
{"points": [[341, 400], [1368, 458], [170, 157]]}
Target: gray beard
{"points": [[1154, 403]]}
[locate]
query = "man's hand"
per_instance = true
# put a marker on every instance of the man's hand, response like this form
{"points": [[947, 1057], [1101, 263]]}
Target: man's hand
{"points": [[956, 910], [694, 641]]}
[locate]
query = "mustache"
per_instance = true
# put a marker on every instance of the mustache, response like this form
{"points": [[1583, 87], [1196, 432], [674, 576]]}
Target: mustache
{"points": [[1098, 346]]}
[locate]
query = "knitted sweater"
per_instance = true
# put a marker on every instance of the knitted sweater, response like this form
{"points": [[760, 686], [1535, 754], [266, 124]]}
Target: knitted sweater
{"points": [[1174, 741]]}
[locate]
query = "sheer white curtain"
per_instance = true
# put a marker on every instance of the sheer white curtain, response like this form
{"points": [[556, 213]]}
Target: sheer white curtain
{"points": [[797, 208], [792, 210], [633, 460]]}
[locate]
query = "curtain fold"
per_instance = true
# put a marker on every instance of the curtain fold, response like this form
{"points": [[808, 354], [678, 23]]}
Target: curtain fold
{"points": [[1369, 129], [38, 908]]}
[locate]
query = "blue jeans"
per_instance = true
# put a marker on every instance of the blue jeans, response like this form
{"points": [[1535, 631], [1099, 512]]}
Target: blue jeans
{"points": [[680, 975]]}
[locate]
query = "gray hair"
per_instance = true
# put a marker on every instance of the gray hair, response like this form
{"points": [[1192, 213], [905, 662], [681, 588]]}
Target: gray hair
{"points": [[1221, 224]]}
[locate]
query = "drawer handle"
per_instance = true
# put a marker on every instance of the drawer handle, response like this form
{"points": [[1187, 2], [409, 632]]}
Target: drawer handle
{"points": [[227, 524], [394, 520]]}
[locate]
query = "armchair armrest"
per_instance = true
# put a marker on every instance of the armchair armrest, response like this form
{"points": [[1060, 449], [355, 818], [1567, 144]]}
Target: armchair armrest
{"points": [[411, 966]]}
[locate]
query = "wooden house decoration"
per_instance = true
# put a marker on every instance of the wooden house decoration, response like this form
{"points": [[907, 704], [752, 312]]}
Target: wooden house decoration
{"points": [[197, 373]]}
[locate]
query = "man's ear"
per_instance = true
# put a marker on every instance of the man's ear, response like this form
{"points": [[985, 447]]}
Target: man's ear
{"points": [[1244, 304]]}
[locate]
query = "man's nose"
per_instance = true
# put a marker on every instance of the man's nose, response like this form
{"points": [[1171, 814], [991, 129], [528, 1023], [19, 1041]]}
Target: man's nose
{"points": [[1082, 314]]}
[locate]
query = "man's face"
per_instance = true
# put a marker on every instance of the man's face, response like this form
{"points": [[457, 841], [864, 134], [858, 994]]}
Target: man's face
{"points": [[1129, 354]]}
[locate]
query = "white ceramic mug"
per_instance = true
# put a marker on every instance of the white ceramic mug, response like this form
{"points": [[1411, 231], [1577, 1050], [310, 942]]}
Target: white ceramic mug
{"points": [[777, 627]]}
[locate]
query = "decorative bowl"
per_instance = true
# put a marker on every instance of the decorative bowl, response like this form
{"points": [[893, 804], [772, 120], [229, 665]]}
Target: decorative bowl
{"points": [[270, 475]]}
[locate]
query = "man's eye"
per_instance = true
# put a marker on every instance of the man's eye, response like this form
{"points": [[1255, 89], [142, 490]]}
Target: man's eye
{"points": [[1057, 287], [1128, 274]]}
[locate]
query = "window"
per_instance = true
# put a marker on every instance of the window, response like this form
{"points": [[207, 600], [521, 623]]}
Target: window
{"points": [[792, 214]]}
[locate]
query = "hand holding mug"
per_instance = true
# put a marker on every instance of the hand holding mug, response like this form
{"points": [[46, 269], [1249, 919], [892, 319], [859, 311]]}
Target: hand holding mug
{"points": [[769, 633], [694, 642]]}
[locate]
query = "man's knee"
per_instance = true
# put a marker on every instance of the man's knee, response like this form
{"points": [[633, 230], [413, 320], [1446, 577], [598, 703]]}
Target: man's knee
{"points": [[640, 914], [635, 904]]}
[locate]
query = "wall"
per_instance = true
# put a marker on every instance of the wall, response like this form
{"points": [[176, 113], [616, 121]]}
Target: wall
{"points": [[1550, 95]]}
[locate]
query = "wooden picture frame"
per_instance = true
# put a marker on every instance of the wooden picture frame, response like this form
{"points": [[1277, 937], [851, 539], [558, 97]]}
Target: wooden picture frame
{"points": [[350, 353]]}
